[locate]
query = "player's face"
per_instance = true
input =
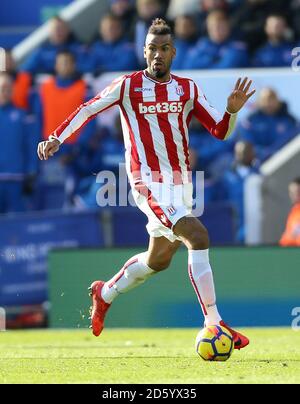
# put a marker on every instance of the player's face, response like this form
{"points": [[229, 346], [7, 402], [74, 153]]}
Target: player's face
{"points": [[294, 190], [65, 66], [268, 101], [9, 62], [219, 30], [5, 90], [59, 32], [159, 52]]}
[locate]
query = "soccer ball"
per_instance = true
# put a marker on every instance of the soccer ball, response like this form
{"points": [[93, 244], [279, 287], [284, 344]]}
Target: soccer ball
{"points": [[214, 343]]}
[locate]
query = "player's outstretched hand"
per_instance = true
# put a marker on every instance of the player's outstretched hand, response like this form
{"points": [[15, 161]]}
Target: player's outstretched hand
{"points": [[48, 148], [240, 95]]}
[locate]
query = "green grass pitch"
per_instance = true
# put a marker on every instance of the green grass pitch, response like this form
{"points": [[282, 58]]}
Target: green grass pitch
{"points": [[144, 356]]}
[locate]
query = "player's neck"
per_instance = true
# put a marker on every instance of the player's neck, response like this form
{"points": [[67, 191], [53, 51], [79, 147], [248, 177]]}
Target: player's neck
{"points": [[164, 79]]}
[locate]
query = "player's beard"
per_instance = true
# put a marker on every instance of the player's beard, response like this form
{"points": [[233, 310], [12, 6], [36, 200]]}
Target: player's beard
{"points": [[160, 73]]}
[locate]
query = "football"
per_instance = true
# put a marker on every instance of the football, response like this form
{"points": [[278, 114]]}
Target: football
{"points": [[214, 343]]}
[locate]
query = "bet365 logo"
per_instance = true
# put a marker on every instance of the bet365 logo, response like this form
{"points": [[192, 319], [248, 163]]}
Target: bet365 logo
{"points": [[161, 108], [296, 321]]}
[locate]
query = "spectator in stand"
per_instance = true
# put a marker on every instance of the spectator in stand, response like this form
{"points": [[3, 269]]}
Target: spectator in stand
{"points": [[22, 82], [18, 164], [147, 11], [270, 127], [112, 148], [277, 52], [125, 10], [61, 38], [179, 7], [291, 236], [218, 50], [231, 187], [205, 7], [213, 156], [105, 152], [210, 185], [248, 21], [60, 95], [186, 33], [112, 53]]}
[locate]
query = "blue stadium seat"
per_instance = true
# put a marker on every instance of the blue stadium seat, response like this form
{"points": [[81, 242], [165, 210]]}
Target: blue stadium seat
{"points": [[219, 219], [10, 39], [15, 12], [129, 227]]}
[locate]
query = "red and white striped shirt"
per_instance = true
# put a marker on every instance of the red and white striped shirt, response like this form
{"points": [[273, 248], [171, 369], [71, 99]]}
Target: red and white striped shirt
{"points": [[155, 119]]}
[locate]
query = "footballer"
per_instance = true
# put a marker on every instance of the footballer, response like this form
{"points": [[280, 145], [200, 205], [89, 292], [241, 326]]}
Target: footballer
{"points": [[156, 108]]}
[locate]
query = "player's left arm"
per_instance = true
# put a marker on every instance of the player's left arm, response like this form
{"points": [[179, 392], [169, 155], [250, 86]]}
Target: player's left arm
{"points": [[109, 97], [220, 126]]}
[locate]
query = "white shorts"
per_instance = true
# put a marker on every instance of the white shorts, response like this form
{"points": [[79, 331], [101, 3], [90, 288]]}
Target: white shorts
{"points": [[164, 205]]}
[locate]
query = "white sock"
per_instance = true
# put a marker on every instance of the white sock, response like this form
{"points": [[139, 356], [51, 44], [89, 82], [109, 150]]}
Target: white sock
{"points": [[202, 280], [134, 273]]}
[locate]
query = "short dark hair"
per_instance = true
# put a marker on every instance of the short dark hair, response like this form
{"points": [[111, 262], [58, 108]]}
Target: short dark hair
{"points": [[66, 52], [58, 18], [296, 181], [277, 15], [160, 27], [111, 17], [6, 74]]}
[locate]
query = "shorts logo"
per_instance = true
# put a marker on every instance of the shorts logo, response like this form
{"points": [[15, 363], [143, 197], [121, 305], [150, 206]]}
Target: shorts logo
{"points": [[180, 91], [164, 219], [160, 108], [172, 211]]}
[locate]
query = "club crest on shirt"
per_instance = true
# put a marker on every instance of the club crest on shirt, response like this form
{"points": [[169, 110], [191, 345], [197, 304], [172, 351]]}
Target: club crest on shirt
{"points": [[180, 91]]}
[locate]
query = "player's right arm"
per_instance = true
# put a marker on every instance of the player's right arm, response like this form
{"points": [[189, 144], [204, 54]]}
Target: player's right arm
{"points": [[108, 98]]}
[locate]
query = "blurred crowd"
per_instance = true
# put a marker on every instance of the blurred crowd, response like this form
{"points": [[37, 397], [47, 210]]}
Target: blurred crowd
{"points": [[209, 34]]}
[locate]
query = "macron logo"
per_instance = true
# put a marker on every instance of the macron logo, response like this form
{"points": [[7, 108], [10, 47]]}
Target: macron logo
{"points": [[161, 108]]}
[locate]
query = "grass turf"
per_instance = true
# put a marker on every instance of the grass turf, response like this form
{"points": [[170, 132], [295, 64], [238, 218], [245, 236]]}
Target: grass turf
{"points": [[144, 356]]}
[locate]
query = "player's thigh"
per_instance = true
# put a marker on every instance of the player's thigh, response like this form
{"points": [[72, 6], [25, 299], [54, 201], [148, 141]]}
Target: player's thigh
{"points": [[161, 252], [192, 232]]}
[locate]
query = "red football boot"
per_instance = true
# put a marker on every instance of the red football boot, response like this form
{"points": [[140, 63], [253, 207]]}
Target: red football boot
{"points": [[240, 341], [99, 308]]}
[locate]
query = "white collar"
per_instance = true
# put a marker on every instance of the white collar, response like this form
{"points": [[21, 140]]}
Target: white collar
{"points": [[155, 81]]}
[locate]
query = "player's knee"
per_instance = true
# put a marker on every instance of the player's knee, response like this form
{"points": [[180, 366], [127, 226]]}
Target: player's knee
{"points": [[198, 239]]}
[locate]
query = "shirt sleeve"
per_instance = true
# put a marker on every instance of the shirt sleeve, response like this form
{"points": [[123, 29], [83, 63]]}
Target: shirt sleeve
{"points": [[108, 98], [219, 126]]}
